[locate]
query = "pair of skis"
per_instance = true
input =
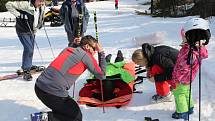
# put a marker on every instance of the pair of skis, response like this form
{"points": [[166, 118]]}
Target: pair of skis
{"points": [[20, 73]]}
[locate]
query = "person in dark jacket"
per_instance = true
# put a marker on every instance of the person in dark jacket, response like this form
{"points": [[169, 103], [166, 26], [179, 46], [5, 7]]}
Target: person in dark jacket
{"points": [[159, 62], [29, 17], [75, 17], [53, 84]]}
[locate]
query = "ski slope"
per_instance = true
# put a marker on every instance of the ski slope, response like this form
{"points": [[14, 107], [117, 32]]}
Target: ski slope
{"points": [[117, 30]]}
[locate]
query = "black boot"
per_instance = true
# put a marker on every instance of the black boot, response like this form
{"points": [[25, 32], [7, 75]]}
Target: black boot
{"points": [[147, 119], [108, 58], [119, 56], [27, 75], [37, 68]]}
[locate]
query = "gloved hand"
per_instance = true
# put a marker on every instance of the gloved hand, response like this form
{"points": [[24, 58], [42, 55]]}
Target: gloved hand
{"points": [[151, 79]]}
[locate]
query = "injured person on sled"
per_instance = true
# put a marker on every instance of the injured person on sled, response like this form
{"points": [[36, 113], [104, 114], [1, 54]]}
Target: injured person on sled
{"points": [[117, 88]]}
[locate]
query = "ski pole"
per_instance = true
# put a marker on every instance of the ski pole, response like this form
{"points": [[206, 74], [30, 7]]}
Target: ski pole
{"points": [[80, 16], [191, 71], [199, 61], [73, 93], [97, 38], [49, 42], [35, 41], [95, 23], [102, 96]]}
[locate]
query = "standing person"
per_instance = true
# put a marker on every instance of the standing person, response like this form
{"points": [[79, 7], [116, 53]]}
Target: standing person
{"points": [[55, 2], [75, 16], [116, 4], [53, 84], [196, 33], [29, 17], [159, 61]]}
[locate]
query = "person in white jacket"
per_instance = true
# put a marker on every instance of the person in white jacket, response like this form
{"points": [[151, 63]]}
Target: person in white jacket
{"points": [[29, 17]]}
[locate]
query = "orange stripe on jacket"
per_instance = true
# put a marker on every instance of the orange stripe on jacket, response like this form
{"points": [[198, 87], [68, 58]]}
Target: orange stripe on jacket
{"points": [[58, 62]]}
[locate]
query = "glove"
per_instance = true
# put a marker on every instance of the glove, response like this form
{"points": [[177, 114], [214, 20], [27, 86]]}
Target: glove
{"points": [[151, 79]]}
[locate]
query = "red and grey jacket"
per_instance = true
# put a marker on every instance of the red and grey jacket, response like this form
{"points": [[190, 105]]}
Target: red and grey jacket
{"points": [[67, 67]]}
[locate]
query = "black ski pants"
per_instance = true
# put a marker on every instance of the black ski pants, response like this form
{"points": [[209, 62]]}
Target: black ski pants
{"points": [[63, 108]]}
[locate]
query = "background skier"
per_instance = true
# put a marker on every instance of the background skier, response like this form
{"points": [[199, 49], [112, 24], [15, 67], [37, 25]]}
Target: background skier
{"points": [[70, 12], [29, 17]]}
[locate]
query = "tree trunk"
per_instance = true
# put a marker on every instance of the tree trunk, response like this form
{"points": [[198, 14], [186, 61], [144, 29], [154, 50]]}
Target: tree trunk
{"points": [[152, 7]]}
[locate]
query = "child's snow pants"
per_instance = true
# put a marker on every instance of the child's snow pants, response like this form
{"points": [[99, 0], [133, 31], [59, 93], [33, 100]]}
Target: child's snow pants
{"points": [[162, 88]]}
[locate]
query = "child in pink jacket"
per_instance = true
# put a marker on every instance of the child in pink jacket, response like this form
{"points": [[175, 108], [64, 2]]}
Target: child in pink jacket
{"points": [[195, 35]]}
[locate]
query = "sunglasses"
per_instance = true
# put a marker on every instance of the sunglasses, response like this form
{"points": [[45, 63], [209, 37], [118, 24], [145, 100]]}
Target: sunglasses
{"points": [[73, 1]]}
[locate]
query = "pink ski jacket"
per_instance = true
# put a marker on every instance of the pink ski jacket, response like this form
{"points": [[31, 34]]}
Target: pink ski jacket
{"points": [[181, 72]]}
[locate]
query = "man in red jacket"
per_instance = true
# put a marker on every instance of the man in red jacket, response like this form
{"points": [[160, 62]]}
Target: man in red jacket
{"points": [[53, 84]]}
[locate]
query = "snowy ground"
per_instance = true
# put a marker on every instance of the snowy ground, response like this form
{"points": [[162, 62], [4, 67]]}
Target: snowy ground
{"points": [[117, 30]]}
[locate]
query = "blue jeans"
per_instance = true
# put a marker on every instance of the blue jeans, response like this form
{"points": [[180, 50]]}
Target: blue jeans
{"points": [[27, 41]]}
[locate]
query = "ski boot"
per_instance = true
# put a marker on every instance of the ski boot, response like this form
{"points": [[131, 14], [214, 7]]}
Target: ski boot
{"points": [[180, 115], [157, 98], [191, 110], [19, 72], [147, 119], [40, 116], [37, 68], [155, 120], [150, 119], [119, 56], [32, 69], [27, 75], [108, 58]]}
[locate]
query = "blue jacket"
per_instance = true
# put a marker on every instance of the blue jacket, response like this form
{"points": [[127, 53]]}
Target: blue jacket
{"points": [[70, 17]]}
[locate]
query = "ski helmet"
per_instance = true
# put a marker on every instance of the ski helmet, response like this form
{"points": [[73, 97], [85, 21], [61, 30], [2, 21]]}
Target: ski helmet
{"points": [[197, 29], [196, 23]]}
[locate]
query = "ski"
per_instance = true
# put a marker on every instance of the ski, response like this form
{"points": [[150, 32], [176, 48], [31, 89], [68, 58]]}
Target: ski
{"points": [[95, 24], [9, 76], [19, 73]]}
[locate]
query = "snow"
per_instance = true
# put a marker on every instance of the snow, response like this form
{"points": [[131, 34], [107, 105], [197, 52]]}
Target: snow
{"points": [[117, 30]]}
